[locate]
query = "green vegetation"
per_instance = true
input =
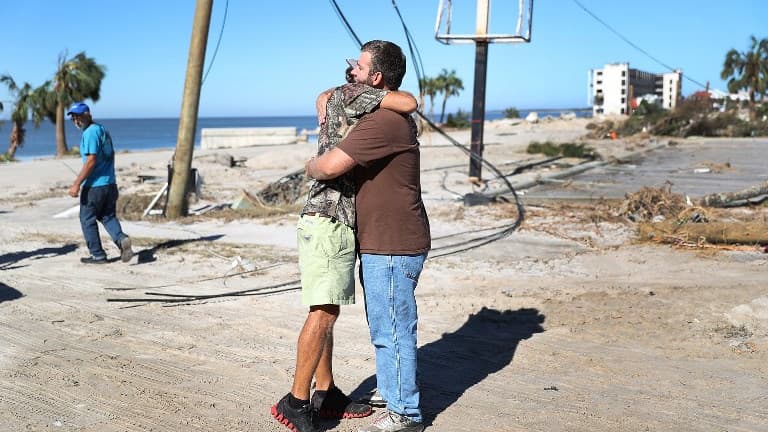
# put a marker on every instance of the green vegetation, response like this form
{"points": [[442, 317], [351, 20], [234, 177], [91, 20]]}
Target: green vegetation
{"points": [[550, 149], [459, 121], [642, 119], [511, 113], [748, 70], [446, 84], [449, 85], [75, 79], [24, 104], [694, 116], [428, 88]]}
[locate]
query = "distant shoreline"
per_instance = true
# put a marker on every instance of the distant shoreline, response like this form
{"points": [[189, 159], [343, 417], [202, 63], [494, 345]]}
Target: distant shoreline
{"points": [[157, 133]]}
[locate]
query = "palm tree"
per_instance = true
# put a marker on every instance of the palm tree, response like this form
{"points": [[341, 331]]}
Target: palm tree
{"points": [[24, 104], [748, 70], [449, 85], [75, 79], [428, 88]]}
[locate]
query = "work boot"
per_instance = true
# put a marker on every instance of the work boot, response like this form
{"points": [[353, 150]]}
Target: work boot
{"points": [[335, 404], [126, 253], [297, 420]]}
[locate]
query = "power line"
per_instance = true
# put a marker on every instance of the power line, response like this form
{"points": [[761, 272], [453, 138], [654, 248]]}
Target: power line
{"points": [[502, 231], [347, 26], [632, 44], [415, 54], [218, 42]]}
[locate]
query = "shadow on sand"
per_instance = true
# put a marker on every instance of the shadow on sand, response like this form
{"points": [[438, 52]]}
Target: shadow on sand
{"points": [[451, 365], [8, 261], [148, 255], [9, 293]]}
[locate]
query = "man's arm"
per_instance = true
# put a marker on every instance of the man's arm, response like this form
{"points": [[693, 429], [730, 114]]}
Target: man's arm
{"points": [[399, 101], [330, 165], [90, 163], [321, 104]]}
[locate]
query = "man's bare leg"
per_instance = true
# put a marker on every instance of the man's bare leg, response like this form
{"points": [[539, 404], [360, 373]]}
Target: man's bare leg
{"points": [[311, 347], [324, 370]]}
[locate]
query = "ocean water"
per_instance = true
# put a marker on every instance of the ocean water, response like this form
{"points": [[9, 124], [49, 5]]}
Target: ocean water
{"points": [[160, 133]]}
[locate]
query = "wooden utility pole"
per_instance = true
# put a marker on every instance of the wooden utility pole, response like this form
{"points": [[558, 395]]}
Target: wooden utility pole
{"points": [[478, 101], [185, 142]]}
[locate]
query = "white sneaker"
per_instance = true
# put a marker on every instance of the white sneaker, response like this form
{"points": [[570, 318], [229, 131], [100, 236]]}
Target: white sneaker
{"points": [[374, 399], [389, 421]]}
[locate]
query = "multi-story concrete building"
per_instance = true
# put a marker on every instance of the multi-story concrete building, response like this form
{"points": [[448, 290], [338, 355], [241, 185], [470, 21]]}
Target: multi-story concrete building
{"points": [[614, 89]]}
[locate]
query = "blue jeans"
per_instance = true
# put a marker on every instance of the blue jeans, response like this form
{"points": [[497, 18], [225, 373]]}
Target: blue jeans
{"points": [[389, 283], [99, 204]]}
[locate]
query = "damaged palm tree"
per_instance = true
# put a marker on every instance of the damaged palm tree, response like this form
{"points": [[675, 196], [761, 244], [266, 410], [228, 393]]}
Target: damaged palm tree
{"points": [[24, 104]]}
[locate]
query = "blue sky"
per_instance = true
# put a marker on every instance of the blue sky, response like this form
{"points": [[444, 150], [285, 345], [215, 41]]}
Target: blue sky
{"points": [[275, 56]]}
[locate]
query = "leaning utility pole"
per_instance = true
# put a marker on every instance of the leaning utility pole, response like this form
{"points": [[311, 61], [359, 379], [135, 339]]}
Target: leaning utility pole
{"points": [[185, 142]]}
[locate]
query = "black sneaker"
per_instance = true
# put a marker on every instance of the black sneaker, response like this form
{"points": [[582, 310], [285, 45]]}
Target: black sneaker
{"points": [[297, 420], [335, 404], [92, 260]]}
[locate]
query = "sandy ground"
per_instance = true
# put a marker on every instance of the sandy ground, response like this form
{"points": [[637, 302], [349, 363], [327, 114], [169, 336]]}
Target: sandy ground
{"points": [[569, 324]]}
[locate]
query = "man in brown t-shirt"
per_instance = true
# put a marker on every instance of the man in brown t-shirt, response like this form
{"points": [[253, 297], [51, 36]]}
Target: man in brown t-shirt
{"points": [[382, 152], [326, 246]]}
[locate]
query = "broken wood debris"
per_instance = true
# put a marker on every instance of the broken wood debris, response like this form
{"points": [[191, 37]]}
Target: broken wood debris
{"points": [[732, 232], [752, 195]]}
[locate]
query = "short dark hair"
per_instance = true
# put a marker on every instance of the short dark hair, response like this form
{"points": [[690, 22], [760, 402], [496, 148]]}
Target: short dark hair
{"points": [[348, 77], [387, 58]]}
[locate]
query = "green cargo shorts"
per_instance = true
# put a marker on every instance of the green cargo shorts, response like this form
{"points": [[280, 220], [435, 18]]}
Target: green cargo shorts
{"points": [[326, 261]]}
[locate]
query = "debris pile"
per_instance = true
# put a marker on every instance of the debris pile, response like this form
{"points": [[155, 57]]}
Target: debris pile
{"points": [[652, 204], [286, 190]]}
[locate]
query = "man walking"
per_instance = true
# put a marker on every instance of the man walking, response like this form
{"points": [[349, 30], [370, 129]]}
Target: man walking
{"points": [[393, 235], [326, 243], [98, 197]]}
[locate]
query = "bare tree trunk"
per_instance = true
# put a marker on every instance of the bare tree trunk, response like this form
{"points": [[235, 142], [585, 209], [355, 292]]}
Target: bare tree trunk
{"points": [[711, 232], [16, 140], [724, 198], [61, 137], [442, 111]]}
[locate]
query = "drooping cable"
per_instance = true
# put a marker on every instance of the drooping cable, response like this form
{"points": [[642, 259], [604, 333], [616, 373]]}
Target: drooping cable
{"points": [[218, 42], [348, 27], [500, 232], [632, 44], [415, 54], [503, 231]]}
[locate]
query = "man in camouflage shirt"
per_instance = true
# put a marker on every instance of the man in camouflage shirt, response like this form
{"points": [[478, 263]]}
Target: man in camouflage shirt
{"points": [[326, 243]]}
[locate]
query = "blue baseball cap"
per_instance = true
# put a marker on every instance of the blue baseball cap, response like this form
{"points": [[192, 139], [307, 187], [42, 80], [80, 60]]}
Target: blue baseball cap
{"points": [[78, 108]]}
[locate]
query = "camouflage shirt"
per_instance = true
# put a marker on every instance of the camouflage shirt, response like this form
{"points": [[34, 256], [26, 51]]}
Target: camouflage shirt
{"points": [[336, 197]]}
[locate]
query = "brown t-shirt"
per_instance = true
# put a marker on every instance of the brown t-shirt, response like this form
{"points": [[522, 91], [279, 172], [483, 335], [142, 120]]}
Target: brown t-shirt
{"points": [[391, 218]]}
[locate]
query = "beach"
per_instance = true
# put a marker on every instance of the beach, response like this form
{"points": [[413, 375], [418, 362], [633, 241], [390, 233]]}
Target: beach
{"points": [[570, 323]]}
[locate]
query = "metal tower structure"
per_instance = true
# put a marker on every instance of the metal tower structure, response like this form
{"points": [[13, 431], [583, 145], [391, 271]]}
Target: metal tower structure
{"points": [[444, 33]]}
